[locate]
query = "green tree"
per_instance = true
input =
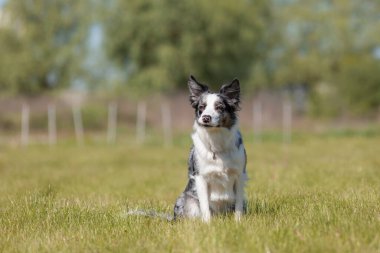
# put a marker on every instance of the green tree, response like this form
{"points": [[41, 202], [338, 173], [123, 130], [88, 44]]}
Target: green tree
{"points": [[42, 44], [359, 84], [325, 44], [162, 42]]}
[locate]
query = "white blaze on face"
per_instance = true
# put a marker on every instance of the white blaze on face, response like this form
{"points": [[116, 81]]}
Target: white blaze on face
{"points": [[210, 110]]}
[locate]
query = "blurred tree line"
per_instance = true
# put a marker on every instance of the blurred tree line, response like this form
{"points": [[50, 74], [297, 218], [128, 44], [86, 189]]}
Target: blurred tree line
{"points": [[331, 48], [41, 44]]}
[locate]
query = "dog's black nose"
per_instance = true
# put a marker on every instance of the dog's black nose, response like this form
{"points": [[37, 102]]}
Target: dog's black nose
{"points": [[206, 119]]}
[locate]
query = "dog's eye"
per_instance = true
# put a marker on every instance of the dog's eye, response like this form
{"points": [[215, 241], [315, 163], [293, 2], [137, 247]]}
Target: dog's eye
{"points": [[220, 108], [201, 108]]}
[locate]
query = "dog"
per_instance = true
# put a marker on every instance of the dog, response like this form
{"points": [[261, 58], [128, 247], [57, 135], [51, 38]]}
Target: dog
{"points": [[217, 161]]}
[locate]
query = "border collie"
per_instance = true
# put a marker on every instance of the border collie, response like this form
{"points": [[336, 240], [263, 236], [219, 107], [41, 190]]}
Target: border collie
{"points": [[217, 161]]}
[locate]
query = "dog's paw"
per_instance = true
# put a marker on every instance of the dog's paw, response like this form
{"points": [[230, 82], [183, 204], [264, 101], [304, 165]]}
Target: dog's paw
{"points": [[238, 216], [206, 218]]}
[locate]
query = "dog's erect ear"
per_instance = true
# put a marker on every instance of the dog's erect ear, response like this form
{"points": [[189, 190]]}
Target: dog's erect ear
{"points": [[196, 90], [232, 92]]}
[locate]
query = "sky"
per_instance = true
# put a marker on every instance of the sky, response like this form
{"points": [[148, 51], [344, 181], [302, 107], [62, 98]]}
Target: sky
{"points": [[2, 2]]}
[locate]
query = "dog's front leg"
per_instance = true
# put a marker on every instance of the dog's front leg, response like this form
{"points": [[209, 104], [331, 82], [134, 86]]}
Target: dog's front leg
{"points": [[202, 191], [239, 202]]}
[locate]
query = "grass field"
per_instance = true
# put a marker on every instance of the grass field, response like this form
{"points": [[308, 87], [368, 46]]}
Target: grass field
{"points": [[318, 194]]}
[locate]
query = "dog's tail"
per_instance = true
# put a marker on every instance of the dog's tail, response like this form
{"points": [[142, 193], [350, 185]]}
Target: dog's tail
{"points": [[148, 213]]}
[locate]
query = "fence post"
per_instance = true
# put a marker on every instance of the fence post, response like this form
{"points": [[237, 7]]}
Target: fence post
{"points": [[257, 120], [140, 122], [287, 121], [112, 123], [25, 125], [78, 124], [166, 124], [52, 125]]}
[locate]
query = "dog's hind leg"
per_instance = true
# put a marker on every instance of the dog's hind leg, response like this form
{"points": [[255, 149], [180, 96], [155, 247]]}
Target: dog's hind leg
{"points": [[179, 207], [186, 207], [192, 209]]}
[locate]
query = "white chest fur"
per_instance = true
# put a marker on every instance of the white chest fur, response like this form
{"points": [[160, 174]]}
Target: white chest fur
{"points": [[219, 160]]}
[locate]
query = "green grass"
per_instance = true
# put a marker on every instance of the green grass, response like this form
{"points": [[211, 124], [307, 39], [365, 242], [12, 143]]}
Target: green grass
{"points": [[319, 194]]}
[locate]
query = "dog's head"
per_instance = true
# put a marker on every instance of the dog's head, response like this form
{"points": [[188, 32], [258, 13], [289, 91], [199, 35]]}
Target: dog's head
{"points": [[215, 109]]}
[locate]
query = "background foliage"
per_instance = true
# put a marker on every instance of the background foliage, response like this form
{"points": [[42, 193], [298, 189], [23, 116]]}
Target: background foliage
{"points": [[41, 44], [330, 48], [167, 40]]}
